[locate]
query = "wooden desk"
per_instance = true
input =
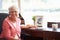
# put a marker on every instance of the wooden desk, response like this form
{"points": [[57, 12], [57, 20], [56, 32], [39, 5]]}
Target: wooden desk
{"points": [[45, 34], [7, 39]]}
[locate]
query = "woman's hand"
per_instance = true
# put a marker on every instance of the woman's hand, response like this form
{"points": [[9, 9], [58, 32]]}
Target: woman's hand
{"points": [[28, 26], [31, 26]]}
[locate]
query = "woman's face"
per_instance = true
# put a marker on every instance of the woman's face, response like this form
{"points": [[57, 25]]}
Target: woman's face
{"points": [[13, 13]]}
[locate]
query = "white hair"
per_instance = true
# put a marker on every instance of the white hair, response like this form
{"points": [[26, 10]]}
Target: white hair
{"points": [[14, 8]]}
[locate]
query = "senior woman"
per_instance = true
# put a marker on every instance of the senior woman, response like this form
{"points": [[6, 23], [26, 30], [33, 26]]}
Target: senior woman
{"points": [[11, 28]]}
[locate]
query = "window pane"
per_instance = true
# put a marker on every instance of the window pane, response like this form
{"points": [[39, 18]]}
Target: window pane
{"points": [[5, 4], [0, 4]]}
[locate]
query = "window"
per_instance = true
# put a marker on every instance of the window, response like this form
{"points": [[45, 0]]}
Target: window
{"points": [[5, 4]]}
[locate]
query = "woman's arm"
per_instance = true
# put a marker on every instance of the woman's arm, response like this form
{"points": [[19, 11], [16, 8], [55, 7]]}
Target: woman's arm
{"points": [[6, 33], [29, 26]]}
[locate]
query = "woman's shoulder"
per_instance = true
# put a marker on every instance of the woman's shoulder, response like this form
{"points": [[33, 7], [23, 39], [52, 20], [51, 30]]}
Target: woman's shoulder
{"points": [[6, 19]]}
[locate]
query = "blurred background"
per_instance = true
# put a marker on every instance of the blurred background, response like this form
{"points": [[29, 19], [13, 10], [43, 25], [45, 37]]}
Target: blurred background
{"points": [[49, 9]]}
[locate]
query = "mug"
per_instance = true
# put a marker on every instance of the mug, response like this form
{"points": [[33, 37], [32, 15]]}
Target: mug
{"points": [[54, 26]]}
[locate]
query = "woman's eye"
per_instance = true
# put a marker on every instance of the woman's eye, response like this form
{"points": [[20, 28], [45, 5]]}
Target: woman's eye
{"points": [[13, 11]]}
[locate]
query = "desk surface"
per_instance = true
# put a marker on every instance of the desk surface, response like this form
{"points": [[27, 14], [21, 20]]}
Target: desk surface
{"points": [[48, 33], [45, 29]]}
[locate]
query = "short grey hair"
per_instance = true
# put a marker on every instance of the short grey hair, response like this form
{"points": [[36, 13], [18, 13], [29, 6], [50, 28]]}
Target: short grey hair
{"points": [[12, 8]]}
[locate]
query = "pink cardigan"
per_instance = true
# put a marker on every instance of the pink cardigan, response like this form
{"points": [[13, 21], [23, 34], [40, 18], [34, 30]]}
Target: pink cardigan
{"points": [[9, 31]]}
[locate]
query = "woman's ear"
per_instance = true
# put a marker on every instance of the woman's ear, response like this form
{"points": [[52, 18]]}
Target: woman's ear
{"points": [[9, 15], [17, 15]]}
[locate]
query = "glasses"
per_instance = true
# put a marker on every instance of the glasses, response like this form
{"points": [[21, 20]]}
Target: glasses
{"points": [[12, 11]]}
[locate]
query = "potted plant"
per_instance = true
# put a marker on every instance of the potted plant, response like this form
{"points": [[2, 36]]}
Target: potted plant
{"points": [[33, 18]]}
